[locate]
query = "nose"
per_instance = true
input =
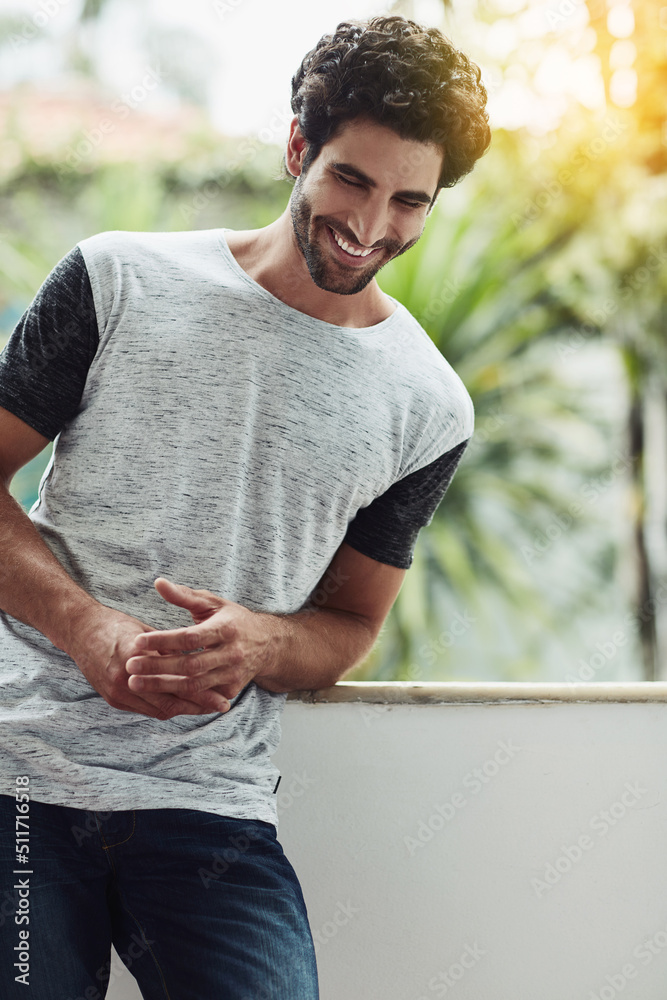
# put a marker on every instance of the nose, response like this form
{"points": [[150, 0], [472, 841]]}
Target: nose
{"points": [[369, 223]]}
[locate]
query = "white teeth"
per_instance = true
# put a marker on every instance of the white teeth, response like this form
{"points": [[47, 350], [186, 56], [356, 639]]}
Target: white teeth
{"points": [[346, 246]]}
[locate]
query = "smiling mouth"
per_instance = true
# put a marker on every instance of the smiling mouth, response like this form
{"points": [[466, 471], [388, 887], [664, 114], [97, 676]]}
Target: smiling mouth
{"points": [[351, 249]]}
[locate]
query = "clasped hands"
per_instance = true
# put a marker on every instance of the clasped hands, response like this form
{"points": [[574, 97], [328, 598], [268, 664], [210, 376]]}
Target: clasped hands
{"points": [[226, 647]]}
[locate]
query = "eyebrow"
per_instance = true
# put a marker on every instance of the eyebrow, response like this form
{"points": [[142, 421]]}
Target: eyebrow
{"points": [[347, 168]]}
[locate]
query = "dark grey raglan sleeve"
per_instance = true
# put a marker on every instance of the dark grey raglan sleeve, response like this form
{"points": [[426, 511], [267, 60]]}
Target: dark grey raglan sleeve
{"points": [[43, 367], [387, 528]]}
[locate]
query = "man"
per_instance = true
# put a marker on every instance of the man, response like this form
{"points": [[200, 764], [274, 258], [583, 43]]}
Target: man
{"points": [[246, 421]]}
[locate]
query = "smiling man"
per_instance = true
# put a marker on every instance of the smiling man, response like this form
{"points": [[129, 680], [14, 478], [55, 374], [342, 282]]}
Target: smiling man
{"points": [[248, 437]]}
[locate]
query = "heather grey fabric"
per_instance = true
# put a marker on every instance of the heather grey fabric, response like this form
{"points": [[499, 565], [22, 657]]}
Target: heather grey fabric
{"points": [[226, 441]]}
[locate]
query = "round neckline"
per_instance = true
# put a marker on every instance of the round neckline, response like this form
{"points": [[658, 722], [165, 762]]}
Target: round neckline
{"points": [[364, 331]]}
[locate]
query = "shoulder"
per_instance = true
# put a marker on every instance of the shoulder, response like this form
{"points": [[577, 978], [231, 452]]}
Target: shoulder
{"points": [[113, 241], [129, 245]]}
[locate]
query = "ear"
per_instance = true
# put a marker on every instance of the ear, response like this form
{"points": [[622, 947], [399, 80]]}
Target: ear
{"points": [[296, 148]]}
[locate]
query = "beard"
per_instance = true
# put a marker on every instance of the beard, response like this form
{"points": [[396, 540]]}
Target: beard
{"points": [[325, 270]]}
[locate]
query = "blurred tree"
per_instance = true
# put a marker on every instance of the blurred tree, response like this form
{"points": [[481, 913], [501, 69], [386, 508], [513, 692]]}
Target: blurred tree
{"points": [[617, 292], [632, 44]]}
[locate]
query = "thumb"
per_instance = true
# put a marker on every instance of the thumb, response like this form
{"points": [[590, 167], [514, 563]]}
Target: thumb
{"points": [[197, 602]]}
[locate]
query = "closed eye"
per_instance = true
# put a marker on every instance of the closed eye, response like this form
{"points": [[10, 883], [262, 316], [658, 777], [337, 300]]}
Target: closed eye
{"points": [[408, 204], [346, 181]]}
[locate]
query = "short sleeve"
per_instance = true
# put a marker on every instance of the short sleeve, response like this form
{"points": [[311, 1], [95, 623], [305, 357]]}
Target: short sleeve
{"points": [[44, 366], [387, 528]]}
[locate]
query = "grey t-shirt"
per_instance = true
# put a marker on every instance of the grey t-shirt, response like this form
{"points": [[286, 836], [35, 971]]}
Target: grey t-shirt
{"points": [[222, 439]]}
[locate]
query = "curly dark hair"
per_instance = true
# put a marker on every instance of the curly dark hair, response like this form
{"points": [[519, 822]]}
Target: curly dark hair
{"points": [[402, 75]]}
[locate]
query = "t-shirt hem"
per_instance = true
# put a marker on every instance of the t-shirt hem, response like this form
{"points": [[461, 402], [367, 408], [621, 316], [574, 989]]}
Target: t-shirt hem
{"points": [[258, 809]]}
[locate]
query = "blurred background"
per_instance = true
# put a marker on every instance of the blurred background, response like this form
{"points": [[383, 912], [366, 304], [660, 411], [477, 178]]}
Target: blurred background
{"points": [[541, 278]]}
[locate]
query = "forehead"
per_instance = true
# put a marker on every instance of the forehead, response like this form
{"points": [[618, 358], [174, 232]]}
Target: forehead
{"points": [[384, 156]]}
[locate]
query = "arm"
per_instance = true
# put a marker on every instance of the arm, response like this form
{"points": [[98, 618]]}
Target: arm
{"points": [[36, 589], [314, 649], [309, 649]]}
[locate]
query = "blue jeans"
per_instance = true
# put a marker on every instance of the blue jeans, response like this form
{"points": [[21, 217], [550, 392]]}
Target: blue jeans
{"points": [[198, 906]]}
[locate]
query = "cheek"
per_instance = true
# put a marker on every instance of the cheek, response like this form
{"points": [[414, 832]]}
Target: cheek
{"points": [[413, 231], [330, 201], [333, 208]]}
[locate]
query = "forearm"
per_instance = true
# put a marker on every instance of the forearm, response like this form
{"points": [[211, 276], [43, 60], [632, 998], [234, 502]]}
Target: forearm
{"points": [[34, 587], [310, 649]]}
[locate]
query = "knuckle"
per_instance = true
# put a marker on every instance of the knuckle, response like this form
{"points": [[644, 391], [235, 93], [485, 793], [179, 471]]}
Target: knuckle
{"points": [[164, 712], [226, 631], [192, 685], [192, 664]]}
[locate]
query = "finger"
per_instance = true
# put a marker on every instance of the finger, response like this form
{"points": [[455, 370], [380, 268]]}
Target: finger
{"points": [[186, 665], [202, 703], [163, 706], [215, 699], [196, 601], [177, 640], [183, 687]]}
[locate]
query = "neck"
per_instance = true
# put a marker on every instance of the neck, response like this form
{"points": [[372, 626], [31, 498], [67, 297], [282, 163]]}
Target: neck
{"points": [[272, 258]]}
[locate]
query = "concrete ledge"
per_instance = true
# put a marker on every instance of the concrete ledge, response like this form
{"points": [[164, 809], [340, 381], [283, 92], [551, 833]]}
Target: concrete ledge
{"points": [[453, 692]]}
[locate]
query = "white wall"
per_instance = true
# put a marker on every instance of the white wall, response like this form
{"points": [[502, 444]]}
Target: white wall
{"points": [[479, 848]]}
